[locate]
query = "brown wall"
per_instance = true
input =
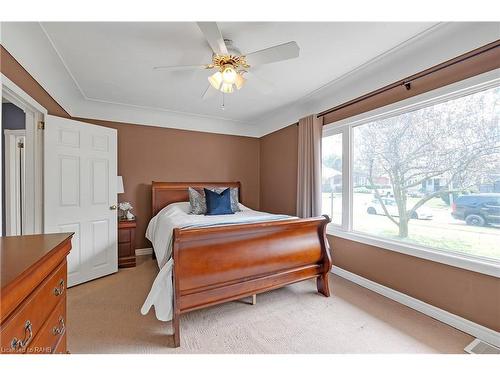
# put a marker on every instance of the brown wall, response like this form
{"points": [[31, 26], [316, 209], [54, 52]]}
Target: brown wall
{"points": [[278, 171], [147, 153], [471, 295], [278, 175]]}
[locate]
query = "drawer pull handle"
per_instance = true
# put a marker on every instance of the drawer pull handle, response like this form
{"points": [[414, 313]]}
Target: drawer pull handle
{"points": [[59, 330], [60, 289], [17, 344]]}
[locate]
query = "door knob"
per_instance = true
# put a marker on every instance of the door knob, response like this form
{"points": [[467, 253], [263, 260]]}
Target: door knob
{"points": [[113, 207]]}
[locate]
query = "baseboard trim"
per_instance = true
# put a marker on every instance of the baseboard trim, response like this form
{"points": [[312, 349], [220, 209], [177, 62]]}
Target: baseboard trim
{"points": [[144, 251], [486, 334]]}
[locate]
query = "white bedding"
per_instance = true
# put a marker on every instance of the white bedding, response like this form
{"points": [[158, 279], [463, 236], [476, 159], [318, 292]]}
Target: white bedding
{"points": [[159, 232]]}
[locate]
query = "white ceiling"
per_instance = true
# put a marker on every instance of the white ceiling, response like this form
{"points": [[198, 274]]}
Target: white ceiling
{"points": [[104, 70], [113, 62]]}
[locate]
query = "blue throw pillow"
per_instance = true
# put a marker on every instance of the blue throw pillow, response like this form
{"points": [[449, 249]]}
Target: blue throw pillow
{"points": [[218, 204]]}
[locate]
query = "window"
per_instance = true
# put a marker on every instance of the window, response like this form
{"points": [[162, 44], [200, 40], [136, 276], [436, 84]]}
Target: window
{"points": [[425, 177], [331, 177]]}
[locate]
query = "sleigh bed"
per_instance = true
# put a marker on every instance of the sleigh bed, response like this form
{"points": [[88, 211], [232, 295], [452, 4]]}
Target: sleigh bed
{"points": [[216, 264]]}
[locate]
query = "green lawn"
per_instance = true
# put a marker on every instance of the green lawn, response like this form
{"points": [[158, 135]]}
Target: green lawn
{"points": [[442, 232], [462, 243]]}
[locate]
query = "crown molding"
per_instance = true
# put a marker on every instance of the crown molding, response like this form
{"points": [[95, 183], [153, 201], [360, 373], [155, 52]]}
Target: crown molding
{"points": [[66, 67], [148, 108], [165, 119], [431, 47], [30, 45], [373, 60], [33, 48]]}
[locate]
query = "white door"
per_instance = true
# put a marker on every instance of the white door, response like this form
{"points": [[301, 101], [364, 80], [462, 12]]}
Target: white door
{"points": [[80, 194]]}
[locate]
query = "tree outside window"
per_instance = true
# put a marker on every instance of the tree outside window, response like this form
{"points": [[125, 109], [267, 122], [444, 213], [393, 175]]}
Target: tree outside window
{"points": [[413, 166]]}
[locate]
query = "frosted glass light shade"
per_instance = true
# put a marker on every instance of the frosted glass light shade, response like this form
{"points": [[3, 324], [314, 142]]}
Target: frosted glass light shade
{"points": [[229, 74], [119, 185], [215, 80], [227, 88], [239, 81]]}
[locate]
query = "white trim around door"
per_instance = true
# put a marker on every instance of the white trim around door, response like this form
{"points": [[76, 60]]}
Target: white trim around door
{"points": [[35, 114], [15, 181]]}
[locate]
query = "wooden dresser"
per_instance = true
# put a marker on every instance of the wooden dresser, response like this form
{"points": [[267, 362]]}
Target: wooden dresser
{"points": [[33, 293], [126, 243]]}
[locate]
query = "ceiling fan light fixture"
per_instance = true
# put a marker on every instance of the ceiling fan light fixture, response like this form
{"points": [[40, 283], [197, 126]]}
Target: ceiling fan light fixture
{"points": [[227, 88], [216, 80], [239, 81], [230, 64]]}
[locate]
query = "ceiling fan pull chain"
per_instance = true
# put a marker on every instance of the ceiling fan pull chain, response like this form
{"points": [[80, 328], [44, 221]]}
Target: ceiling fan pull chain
{"points": [[223, 97]]}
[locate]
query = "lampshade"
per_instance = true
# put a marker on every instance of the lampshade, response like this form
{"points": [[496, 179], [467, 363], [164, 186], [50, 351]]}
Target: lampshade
{"points": [[215, 80], [119, 185], [228, 74], [227, 88], [239, 81]]}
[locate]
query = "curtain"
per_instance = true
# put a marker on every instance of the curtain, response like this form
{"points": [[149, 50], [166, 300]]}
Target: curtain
{"points": [[309, 167]]}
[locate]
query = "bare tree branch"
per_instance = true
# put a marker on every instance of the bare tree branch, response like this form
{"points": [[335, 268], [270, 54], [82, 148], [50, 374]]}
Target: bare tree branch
{"points": [[456, 141], [379, 198]]}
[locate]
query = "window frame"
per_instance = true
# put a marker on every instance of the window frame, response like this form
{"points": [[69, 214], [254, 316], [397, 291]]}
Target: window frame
{"points": [[346, 127], [345, 165]]}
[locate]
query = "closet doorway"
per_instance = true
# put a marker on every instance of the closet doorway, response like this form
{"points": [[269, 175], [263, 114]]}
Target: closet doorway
{"points": [[22, 162], [13, 169]]}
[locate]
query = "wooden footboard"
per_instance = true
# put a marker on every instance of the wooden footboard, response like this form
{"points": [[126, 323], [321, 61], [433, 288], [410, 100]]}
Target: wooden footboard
{"points": [[223, 263]]}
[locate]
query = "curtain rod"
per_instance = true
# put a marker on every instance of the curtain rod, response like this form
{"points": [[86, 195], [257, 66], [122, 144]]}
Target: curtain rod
{"points": [[408, 80]]}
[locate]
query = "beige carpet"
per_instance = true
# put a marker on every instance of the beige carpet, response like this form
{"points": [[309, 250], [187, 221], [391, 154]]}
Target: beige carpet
{"points": [[104, 317]]}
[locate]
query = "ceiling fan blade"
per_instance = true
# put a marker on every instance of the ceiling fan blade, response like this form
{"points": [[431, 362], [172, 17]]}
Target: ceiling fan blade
{"points": [[277, 53], [179, 67], [210, 92], [260, 84], [214, 37]]}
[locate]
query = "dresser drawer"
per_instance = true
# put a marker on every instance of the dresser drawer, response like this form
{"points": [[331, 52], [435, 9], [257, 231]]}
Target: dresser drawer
{"points": [[52, 331], [123, 235], [25, 322]]}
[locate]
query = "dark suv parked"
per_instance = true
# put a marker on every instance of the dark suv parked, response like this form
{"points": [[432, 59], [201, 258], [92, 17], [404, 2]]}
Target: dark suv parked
{"points": [[477, 209]]}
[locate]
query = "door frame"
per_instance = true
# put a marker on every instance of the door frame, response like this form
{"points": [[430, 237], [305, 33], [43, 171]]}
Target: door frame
{"points": [[35, 115], [15, 179]]}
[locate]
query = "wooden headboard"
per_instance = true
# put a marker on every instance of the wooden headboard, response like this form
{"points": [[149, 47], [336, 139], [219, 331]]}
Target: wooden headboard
{"points": [[165, 193]]}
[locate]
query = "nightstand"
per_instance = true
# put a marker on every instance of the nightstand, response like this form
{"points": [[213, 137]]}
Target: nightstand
{"points": [[126, 243]]}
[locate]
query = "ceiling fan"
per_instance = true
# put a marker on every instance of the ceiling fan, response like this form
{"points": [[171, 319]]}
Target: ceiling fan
{"points": [[230, 64]]}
